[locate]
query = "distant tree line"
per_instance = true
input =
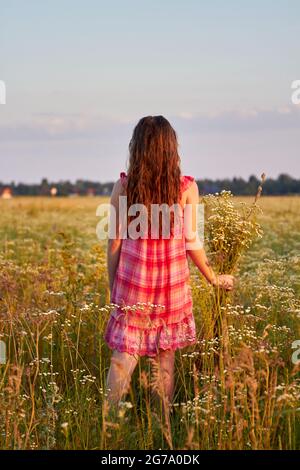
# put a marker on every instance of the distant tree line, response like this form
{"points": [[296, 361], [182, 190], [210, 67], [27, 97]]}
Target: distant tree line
{"points": [[284, 184]]}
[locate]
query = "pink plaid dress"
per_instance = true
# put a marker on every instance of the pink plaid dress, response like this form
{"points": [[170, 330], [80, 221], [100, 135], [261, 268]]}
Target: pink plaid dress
{"points": [[152, 295]]}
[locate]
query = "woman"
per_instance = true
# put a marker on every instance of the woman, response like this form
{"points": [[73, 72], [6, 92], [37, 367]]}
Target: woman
{"points": [[149, 276]]}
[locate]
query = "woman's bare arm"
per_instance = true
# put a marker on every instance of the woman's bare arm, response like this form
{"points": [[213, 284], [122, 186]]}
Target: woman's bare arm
{"points": [[195, 247], [114, 244]]}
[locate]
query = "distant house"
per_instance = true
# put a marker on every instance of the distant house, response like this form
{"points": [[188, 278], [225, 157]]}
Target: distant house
{"points": [[6, 193], [53, 191], [90, 192]]}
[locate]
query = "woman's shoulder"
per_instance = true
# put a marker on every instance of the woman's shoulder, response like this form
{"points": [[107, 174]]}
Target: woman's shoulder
{"points": [[123, 178], [186, 182], [119, 186]]}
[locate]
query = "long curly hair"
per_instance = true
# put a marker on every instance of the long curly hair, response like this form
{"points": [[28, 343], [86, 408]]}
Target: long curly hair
{"points": [[154, 172]]}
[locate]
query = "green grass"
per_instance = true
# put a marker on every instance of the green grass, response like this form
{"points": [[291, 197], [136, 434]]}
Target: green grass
{"points": [[236, 389]]}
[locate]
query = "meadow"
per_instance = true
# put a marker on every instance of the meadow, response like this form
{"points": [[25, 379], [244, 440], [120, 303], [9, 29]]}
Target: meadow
{"points": [[238, 388]]}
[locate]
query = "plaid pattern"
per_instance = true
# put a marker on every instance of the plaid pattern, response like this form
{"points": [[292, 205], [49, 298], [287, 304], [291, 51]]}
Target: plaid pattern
{"points": [[152, 294]]}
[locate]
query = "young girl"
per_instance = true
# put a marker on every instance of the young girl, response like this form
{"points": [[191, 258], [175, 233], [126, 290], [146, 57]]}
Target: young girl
{"points": [[149, 277]]}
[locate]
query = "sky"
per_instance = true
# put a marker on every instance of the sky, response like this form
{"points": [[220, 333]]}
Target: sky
{"points": [[80, 74]]}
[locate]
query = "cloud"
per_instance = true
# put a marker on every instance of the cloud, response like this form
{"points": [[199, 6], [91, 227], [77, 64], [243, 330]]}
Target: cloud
{"points": [[242, 121], [78, 126], [60, 127]]}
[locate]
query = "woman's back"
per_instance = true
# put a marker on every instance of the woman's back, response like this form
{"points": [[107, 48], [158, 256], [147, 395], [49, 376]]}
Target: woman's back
{"points": [[152, 293]]}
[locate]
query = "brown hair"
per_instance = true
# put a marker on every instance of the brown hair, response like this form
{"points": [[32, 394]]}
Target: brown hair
{"points": [[154, 173]]}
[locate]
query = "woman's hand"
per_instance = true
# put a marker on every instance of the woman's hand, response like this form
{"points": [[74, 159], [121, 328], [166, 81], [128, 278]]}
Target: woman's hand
{"points": [[224, 281]]}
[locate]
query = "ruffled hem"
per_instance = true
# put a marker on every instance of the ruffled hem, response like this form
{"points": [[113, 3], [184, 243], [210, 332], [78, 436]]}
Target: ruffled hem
{"points": [[142, 320], [148, 342]]}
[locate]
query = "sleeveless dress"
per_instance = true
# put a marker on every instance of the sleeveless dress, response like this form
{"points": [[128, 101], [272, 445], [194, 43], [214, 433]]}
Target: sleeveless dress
{"points": [[152, 295]]}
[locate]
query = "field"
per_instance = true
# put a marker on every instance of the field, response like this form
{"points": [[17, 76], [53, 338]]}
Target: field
{"points": [[238, 388]]}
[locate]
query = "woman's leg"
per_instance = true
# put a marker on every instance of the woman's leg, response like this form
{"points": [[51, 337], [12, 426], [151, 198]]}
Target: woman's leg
{"points": [[164, 387], [165, 361], [119, 375]]}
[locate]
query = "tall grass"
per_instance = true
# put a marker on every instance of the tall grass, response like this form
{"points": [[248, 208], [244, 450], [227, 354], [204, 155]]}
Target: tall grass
{"points": [[236, 389]]}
